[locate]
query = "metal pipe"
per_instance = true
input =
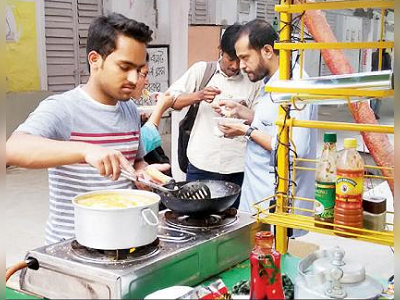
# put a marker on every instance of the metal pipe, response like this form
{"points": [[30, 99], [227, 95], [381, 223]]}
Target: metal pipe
{"points": [[299, 8], [345, 87], [378, 80], [303, 221], [302, 51], [339, 126], [382, 33], [337, 46], [365, 166], [282, 152]]}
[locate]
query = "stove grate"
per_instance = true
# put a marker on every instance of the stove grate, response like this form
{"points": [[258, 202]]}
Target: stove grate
{"points": [[120, 256], [217, 220]]}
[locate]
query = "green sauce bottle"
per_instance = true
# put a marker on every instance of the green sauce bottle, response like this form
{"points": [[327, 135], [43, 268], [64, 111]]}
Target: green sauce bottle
{"points": [[325, 182]]}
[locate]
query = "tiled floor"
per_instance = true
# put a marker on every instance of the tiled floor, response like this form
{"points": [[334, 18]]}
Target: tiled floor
{"points": [[27, 209]]}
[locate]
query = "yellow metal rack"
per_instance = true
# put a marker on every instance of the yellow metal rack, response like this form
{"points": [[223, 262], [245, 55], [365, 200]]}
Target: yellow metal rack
{"points": [[284, 215]]}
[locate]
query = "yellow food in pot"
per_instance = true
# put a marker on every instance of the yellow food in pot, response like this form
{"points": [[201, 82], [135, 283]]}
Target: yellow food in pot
{"points": [[115, 201]]}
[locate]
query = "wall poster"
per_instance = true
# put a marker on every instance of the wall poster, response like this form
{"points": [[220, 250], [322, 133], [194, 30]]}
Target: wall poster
{"points": [[158, 71]]}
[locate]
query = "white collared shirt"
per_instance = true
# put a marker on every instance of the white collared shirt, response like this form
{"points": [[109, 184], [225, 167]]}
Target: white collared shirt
{"points": [[206, 150]]}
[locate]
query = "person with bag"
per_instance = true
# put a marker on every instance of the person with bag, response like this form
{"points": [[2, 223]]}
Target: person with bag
{"points": [[201, 153]]}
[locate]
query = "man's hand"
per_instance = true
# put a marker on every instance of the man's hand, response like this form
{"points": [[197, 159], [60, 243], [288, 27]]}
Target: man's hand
{"points": [[227, 108], [233, 109], [232, 130], [164, 101], [107, 161], [208, 94]]}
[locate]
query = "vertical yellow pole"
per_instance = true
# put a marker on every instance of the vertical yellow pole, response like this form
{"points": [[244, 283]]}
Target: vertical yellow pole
{"points": [[302, 51], [283, 153], [382, 34]]}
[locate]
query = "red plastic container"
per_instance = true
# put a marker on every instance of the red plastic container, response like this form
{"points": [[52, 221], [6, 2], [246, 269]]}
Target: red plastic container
{"points": [[265, 264]]}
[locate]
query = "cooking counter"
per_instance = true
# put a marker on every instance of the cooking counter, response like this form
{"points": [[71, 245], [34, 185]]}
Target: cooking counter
{"points": [[230, 277]]}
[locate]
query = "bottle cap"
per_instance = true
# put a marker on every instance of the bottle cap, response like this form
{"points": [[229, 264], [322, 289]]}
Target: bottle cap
{"points": [[330, 137], [262, 235], [374, 204], [264, 239], [350, 143]]}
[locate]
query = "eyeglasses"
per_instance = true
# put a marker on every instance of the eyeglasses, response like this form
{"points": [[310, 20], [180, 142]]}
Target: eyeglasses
{"points": [[144, 75]]}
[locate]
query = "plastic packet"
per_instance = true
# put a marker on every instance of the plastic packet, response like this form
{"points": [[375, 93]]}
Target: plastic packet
{"points": [[216, 290]]}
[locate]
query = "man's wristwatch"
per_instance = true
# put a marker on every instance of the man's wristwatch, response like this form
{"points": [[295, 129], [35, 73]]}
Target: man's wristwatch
{"points": [[247, 135]]}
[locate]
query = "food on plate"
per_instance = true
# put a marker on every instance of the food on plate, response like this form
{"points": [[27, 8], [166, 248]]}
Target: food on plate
{"points": [[226, 120], [146, 93], [115, 200], [227, 113]]}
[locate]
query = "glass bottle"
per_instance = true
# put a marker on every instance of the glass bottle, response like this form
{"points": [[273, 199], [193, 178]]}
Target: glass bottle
{"points": [[349, 187], [374, 212], [325, 181], [265, 265], [275, 24]]}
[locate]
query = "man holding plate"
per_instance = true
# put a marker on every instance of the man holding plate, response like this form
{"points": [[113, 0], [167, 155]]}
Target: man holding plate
{"points": [[258, 58], [211, 156]]}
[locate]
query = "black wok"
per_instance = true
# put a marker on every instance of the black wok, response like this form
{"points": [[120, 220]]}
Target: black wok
{"points": [[223, 195]]}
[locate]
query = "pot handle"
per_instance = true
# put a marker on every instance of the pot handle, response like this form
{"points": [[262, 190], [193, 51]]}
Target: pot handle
{"points": [[152, 214]]}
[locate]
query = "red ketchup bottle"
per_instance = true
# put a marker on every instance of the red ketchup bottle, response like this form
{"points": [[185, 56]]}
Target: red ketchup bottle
{"points": [[265, 265]]}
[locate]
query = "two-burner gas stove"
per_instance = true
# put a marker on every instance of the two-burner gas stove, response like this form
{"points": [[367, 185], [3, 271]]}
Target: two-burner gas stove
{"points": [[187, 251]]}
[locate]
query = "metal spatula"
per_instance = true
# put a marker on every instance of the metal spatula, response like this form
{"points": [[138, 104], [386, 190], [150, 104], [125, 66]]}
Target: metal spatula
{"points": [[194, 190], [153, 185]]}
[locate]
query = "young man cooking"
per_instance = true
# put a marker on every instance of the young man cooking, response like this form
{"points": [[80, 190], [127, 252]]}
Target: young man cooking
{"points": [[258, 58], [211, 156], [86, 135]]}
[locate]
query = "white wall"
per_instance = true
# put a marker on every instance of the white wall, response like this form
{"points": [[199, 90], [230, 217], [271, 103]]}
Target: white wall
{"points": [[153, 13], [353, 32], [226, 12], [139, 10], [312, 60], [41, 37], [169, 21], [179, 59]]}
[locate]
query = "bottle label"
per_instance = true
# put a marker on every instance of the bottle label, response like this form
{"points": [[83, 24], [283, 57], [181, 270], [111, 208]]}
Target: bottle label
{"points": [[266, 277], [350, 186], [325, 199]]}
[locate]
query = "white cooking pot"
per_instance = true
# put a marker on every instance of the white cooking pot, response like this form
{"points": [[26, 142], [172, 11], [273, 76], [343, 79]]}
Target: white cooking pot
{"points": [[117, 228]]}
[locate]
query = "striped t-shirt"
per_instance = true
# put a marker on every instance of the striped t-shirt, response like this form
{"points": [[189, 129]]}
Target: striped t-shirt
{"points": [[74, 116]]}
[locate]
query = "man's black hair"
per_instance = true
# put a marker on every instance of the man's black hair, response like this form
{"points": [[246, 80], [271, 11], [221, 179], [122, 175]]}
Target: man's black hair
{"points": [[228, 40], [103, 32], [260, 33]]}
